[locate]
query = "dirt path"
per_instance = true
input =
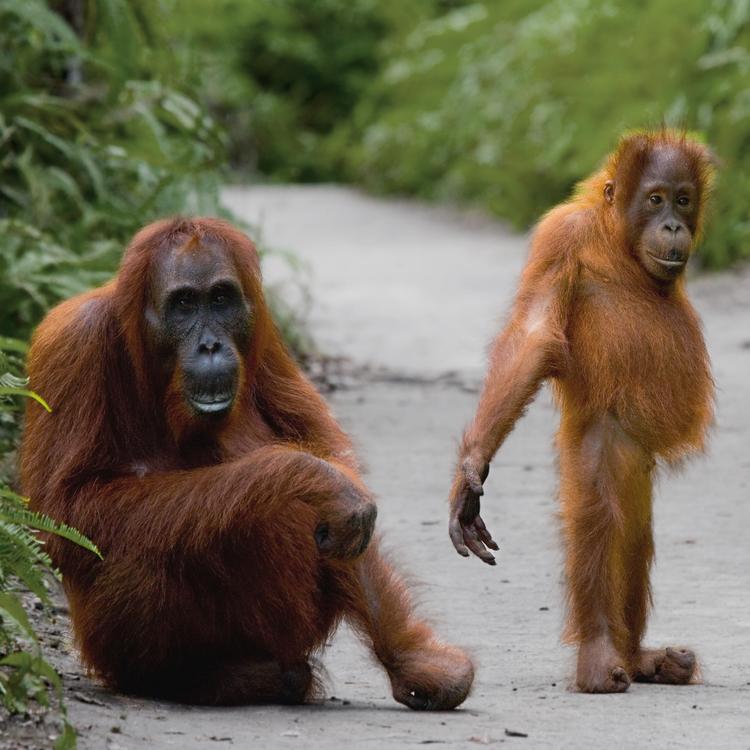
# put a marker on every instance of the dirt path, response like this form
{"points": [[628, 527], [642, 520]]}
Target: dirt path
{"points": [[418, 292]]}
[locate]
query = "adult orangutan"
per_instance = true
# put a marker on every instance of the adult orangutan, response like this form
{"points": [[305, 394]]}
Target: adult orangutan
{"points": [[227, 502], [602, 312]]}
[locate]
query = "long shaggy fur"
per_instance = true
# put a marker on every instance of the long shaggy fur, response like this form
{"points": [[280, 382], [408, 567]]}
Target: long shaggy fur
{"points": [[631, 375], [212, 588]]}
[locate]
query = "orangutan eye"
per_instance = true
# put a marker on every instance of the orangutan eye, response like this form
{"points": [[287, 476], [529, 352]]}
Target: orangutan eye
{"points": [[655, 198], [683, 200], [183, 301], [224, 295]]}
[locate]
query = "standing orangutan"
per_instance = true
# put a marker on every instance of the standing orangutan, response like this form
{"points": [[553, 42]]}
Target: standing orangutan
{"points": [[227, 502], [602, 312]]}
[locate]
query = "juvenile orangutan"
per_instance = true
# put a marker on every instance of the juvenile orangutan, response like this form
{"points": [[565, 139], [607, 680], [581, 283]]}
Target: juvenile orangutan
{"points": [[602, 312]]}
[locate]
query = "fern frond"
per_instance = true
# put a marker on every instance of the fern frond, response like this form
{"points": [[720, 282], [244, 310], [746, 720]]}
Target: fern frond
{"points": [[9, 380], [10, 513], [22, 555], [32, 547]]}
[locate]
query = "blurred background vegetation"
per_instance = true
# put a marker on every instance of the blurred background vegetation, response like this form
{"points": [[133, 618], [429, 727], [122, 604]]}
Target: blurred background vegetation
{"points": [[500, 105], [97, 137], [113, 112]]}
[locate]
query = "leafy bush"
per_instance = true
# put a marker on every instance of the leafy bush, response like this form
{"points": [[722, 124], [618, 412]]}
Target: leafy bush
{"points": [[281, 75], [92, 146], [507, 105], [24, 672], [90, 150], [309, 63]]}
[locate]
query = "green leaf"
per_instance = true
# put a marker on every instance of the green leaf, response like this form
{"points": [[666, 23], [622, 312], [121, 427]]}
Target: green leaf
{"points": [[27, 393], [67, 740], [11, 607], [14, 496], [46, 670], [20, 660], [45, 21], [13, 345]]}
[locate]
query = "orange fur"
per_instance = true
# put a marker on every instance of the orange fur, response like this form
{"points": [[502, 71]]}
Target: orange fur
{"points": [[631, 375], [212, 588]]}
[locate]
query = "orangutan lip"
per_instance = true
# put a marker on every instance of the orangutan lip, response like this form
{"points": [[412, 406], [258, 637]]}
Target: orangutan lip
{"points": [[211, 407], [668, 263]]}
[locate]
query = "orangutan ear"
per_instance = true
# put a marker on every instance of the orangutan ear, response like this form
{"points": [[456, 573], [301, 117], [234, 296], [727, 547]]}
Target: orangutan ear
{"points": [[609, 191]]}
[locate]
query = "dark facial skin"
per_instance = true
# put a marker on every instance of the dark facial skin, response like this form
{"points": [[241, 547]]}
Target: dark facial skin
{"points": [[201, 322], [662, 214]]}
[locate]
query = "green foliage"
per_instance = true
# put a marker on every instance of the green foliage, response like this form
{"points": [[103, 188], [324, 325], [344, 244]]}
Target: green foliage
{"points": [[90, 150], [309, 63], [282, 74], [507, 105], [501, 105], [12, 352], [92, 146], [25, 675]]}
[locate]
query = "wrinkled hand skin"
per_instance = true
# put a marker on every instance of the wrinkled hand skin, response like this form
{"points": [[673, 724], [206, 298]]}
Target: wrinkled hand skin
{"points": [[346, 529], [466, 527]]}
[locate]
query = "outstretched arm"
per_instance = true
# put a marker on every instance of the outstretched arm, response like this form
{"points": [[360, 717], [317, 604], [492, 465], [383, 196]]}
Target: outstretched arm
{"points": [[528, 350]]}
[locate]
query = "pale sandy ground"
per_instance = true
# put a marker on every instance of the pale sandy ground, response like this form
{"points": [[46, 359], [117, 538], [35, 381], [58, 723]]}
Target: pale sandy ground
{"points": [[417, 292]]}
